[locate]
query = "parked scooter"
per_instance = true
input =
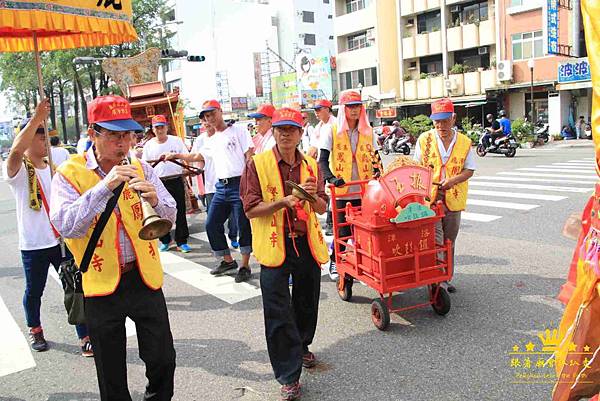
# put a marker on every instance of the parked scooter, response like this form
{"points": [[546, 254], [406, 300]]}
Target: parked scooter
{"points": [[541, 131], [506, 145], [401, 145]]}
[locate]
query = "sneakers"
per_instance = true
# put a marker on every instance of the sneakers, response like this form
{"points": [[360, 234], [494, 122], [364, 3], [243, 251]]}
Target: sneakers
{"points": [[86, 347], [243, 274], [223, 267], [235, 244], [309, 360], [290, 392], [185, 248], [163, 247], [37, 340], [333, 274]]}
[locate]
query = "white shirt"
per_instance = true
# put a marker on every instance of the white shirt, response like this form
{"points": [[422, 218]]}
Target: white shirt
{"points": [[228, 149], [35, 231], [153, 150], [82, 145], [307, 134], [210, 175], [446, 153], [322, 129], [59, 155]]}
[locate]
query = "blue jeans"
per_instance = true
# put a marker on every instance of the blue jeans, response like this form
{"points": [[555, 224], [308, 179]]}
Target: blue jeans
{"points": [[232, 227], [226, 201], [35, 266]]}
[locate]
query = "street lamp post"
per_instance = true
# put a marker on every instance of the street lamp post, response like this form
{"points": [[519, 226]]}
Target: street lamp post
{"points": [[531, 65]]}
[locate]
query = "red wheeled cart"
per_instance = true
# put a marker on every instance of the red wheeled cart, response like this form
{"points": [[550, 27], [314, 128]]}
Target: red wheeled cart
{"points": [[391, 246]]}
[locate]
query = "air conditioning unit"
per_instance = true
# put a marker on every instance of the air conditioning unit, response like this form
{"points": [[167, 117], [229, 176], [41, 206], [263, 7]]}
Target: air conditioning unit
{"points": [[299, 13], [455, 9], [451, 84], [483, 50], [301, 35], [370, 34], [504, 70]]}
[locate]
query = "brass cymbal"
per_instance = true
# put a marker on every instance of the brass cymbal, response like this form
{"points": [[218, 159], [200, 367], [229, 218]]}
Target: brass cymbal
{"points": [[299, 192]]}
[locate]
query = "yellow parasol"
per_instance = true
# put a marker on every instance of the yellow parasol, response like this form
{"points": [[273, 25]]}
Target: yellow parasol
{"points": [[63, 24]]}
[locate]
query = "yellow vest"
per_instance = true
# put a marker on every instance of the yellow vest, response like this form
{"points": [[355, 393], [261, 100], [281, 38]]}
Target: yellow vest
{"points": [[456, 197], [341, 158], [268, 242], [104, 274]]}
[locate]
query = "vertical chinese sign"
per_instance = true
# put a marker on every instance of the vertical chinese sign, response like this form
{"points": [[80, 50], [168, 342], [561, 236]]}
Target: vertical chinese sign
{"points": [[258, 80], [552, 27]]}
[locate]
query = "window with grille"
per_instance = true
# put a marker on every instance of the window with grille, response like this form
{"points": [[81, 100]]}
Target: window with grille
{"points": [[354, 5], [358, 41], [308, 16], [365, 77]]}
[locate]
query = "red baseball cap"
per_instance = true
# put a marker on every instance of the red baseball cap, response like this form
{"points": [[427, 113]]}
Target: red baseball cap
{"points": [[442, 109], [112, 113], [350, 97], [159, 120], [265, 110], [209, 105], [287, 116], [322, 103]]}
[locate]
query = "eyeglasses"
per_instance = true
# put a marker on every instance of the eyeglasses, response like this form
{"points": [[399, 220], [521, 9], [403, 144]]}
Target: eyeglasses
{"points": [[115, 136]]}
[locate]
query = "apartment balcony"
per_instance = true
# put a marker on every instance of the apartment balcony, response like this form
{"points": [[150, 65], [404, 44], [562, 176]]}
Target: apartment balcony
{"points": [[437, 86], [422, 44], [357, 21], [408, 47], [356, 59], [435, 42], [424, 88], [470, 34], [488, 79], [487, 32], [409, 7], [472, 83], [455, 38], [410, 89]]}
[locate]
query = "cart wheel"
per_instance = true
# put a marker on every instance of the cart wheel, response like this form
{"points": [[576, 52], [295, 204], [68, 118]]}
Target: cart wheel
{"points": [[380, 314], [441, 304], [346, 293]]}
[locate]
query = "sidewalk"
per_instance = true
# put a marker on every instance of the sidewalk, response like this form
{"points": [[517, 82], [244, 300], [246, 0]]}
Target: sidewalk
{"points": [[571, 143]]}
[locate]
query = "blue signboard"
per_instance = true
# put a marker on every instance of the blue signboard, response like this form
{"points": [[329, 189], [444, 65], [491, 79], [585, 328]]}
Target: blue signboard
{"points": [[574, 71], [552, 27], [196, 126]]}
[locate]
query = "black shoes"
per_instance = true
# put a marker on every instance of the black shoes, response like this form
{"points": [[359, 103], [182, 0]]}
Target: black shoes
{"points": [[243, 274], [223, 267]]}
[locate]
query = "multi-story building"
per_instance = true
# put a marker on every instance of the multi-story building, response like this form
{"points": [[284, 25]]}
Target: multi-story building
{"points": [[367, 49], [523, 45], [406, 53]]}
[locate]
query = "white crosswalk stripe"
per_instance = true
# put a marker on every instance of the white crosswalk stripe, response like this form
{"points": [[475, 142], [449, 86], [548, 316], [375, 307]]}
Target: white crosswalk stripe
{"points": [[15, 354], [527, 186], [567, 167], [517, 195], [556, 169], [501, 205], [529, 179], [479, 217], [592, 178]]}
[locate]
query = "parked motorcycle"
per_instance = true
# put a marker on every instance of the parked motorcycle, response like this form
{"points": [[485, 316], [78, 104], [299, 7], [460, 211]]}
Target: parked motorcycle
{"points": [[400, 146], [506, 145], [541, 131]]}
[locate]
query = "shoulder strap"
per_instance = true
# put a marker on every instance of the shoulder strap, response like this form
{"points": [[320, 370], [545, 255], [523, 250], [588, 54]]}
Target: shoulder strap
{"points": [[89, 250]]}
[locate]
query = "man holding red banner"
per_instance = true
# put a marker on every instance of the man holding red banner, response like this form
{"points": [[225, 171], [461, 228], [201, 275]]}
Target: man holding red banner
{"points": [[287, 241]]}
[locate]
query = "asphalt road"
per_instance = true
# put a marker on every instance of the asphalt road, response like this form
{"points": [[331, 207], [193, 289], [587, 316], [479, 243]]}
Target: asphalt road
{"points": [[511, 260]]}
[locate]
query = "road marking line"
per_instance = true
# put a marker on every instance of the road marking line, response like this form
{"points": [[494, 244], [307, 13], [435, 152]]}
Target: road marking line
{"points": [[529, 179], [544, 170], [15, 354], [480, 217], [517, 195], [583, 162], [525, 186], [129, 325], [501, 205], [202, 236], [197, 275], [580, 169], [592, 178], [580, 165]]}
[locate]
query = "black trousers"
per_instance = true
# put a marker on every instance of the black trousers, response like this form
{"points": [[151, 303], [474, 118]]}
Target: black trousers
{"points": [[290, 324], [176, 188], [105, 317], [340, 204]]}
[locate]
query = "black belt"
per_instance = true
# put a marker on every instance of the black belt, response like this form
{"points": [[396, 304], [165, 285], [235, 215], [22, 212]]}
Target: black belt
{"points": [[230, 180]]}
